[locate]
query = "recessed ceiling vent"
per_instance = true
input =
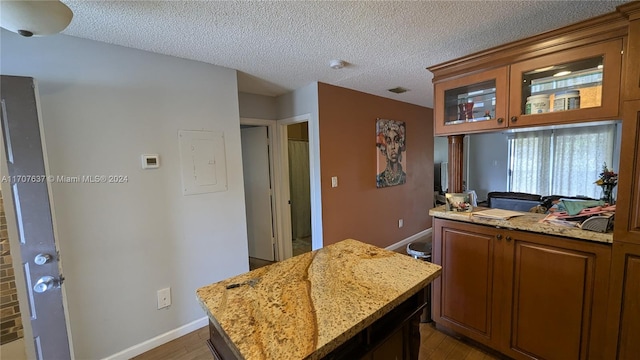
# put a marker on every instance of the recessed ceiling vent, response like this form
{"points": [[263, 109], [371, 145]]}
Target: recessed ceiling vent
{"points": [[398, 90]]}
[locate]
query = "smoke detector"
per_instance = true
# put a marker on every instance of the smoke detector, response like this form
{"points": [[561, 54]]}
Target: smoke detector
{"points": [[337, 64]]}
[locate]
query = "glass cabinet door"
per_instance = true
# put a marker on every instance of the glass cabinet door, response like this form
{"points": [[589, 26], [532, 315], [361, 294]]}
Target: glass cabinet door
{"points": [[471, 103], [577, 84]]}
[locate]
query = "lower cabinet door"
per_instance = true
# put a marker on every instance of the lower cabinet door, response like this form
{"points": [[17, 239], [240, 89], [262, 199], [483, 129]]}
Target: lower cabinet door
{"points": [[558, 297], [629, 346], [463, 296], [624, 303]]}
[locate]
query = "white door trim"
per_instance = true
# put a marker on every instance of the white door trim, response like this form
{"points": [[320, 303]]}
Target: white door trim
{"points": [[276, 174], [314, 179]]}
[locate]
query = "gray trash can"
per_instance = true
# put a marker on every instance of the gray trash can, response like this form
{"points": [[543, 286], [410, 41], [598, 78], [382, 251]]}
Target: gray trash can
{"points": [[422, 251]]}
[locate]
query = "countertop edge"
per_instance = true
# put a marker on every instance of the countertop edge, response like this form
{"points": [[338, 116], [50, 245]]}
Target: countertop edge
{"points": [[350, 333], [215, 323], [527, 222]]}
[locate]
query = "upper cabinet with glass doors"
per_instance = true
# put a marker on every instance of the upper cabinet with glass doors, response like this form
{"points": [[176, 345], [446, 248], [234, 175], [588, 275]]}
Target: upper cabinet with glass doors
{"points": [[577, 84], [472, 103], [566, 75]]}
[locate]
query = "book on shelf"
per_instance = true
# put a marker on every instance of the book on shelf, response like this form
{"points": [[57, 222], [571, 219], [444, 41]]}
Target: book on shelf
{"points": [[498, 214]]}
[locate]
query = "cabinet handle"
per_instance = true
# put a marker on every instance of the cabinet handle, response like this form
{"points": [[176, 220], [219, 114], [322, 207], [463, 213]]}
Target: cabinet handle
{"points": [[508, 238], [500, 120], [514, 119], [499, 237]]}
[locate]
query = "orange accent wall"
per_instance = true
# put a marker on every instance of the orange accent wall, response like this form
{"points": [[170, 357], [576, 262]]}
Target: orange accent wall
{"points": [[356, 208]]}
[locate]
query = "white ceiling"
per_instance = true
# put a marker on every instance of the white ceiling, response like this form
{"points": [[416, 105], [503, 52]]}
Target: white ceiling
{"points": [[281, 46]]}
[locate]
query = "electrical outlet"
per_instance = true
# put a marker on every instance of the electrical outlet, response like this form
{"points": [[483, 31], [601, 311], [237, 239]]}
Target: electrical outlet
{"points": [[164, 298], [400, 223], [334, 181]]}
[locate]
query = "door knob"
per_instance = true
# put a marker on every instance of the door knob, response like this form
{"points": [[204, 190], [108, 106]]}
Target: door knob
{"points": [[42, 259], [46, 283], [514, 118], [499, 237], [500, 120]]}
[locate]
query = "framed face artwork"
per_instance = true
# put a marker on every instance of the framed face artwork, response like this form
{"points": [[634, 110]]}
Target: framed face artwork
{"points": [[391, 153]]}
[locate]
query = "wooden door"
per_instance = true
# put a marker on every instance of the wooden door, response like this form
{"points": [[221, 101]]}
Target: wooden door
{"points": [[623, 321], [463, 296], [627, 222], [558, 297]]}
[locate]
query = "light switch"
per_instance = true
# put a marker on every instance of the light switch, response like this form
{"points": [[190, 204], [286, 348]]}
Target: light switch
{"points": [[334, 181]]}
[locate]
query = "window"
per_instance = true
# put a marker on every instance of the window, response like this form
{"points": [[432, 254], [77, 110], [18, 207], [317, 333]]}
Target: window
{"points": [[561, 161]]}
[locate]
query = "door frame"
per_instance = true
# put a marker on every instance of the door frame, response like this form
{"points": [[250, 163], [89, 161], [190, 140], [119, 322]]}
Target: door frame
{"points": [[314, 179], [14, 242]]}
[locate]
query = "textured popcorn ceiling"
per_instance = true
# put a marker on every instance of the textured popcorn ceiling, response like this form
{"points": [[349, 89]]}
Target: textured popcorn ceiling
{"points": [[281, 46]]}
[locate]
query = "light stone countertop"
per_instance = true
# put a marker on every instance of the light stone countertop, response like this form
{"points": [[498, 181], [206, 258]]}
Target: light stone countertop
{"points": [[308, 305], [527, 222]]}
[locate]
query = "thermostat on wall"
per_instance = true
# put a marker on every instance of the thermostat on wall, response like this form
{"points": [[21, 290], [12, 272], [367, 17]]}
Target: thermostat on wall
{"points": [[150, 161]]}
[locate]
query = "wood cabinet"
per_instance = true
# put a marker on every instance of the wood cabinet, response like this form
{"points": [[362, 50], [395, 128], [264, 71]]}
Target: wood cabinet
{"points": [[591, 50], [557, 296], [483, 101], [623, 325], [463, 296], [631, 89], [526, 295], [627, 222], [392, 349], [599, 90], [489, 90]]}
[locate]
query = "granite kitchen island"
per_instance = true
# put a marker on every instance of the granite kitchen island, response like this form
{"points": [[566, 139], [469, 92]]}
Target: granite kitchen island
{"points": [[348, 300]]}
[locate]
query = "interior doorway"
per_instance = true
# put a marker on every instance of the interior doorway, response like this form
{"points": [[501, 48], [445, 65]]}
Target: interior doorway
{"points": [[299, 187], [281, 204], [258, 191]]}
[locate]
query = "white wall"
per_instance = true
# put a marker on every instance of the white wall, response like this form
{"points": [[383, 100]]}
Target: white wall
{"points": [[102, 107], [257, 106], [440, 149], [487, 163], [301, 102]]}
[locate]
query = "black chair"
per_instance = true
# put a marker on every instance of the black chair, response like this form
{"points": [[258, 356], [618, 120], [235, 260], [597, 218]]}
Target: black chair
{"points": [[513, 200]]}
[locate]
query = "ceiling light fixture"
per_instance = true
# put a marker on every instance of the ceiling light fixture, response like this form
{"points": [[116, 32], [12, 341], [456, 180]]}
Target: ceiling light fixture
{"points": [[398, 90], [34, 18], [337, 64], [543, 69], [562, 73]]}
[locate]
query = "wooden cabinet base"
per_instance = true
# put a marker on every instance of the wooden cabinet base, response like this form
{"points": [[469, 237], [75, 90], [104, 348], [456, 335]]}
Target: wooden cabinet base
{"points": [[526, 295], [394, 336]]}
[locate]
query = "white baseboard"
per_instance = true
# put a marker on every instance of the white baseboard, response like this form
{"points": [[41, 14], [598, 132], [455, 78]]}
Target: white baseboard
{"points": [[159, 340], [410, 239]]}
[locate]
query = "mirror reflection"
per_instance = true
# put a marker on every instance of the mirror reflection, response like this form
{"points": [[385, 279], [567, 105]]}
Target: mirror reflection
{"points": [[564, 161]]}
